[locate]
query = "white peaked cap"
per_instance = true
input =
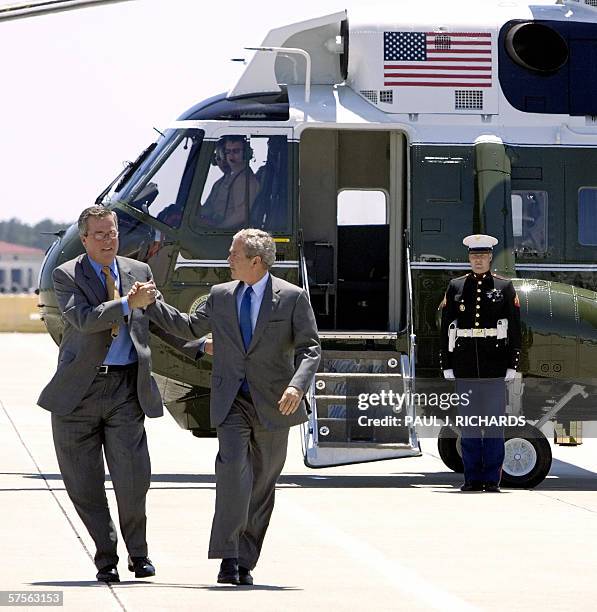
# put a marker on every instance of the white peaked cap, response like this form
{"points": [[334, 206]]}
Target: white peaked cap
{"points": [[480, 242]]}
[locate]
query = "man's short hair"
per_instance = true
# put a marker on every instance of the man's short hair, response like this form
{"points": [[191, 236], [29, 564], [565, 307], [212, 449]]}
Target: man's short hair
{"points": [[97, 212], [258, 244]]}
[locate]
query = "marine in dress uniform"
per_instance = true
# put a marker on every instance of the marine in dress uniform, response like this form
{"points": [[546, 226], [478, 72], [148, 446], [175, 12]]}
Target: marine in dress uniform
{"points": [[480, 349]]}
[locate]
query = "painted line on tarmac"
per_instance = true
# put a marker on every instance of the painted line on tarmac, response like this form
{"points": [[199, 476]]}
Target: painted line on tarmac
{"points": [[53, 493], [398, 575]]}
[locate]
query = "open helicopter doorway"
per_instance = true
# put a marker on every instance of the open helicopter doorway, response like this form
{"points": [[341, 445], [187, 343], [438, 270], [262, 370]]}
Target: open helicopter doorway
{"points": [[352, 216]]}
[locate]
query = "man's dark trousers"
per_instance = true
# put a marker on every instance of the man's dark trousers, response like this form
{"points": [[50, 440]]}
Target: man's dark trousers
{"points": [[109, 416], [248, 464]]}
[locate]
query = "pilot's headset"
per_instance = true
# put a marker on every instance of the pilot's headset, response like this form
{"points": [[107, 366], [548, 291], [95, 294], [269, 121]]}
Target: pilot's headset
{"points": [[219, 157]]}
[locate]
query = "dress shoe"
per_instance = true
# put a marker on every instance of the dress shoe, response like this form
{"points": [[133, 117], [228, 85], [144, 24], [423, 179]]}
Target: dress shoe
{"points": [[142, 566], [244, 576], [108, 574], [491, 487], [468, 487], [229, 572]]}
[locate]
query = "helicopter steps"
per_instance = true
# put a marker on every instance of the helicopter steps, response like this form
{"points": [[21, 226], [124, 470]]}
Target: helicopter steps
{"points": [[344, 380]]}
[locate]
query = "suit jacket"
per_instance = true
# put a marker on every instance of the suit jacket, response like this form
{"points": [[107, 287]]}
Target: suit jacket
{"points": [[284, 349], [88, 317]]}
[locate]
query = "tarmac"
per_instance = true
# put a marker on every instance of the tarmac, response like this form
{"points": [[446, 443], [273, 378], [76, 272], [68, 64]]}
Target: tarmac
{"points": [[394, 535]]}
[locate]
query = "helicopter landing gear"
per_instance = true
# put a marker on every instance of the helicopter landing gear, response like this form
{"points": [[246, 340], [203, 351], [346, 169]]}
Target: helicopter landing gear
{"points": [[528, 457], [448, 446], [527, 461]]}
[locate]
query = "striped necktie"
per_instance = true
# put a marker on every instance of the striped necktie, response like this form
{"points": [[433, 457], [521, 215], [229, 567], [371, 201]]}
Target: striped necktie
{"points": [[113, 293]]}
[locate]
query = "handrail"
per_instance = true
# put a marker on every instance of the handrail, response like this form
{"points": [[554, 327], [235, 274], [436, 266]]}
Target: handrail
{"points": [[303, 268], [410, 319], [290, 51], [311, 391]]}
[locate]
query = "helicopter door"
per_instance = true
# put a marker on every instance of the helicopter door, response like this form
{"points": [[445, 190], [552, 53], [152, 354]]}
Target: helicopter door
{"points": [[352, 211]]}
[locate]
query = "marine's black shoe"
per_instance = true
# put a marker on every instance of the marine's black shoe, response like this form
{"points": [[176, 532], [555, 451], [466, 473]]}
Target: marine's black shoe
{"points": [[228, 572], [491, 487], [108, 574], [142, 566]]}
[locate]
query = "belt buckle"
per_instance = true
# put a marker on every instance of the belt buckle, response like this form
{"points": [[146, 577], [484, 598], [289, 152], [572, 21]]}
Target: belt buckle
{"points": [[103, 369], [478, 333]]}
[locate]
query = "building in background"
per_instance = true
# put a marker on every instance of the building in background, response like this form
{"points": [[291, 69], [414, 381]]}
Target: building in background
{"points": [[19, 267]]}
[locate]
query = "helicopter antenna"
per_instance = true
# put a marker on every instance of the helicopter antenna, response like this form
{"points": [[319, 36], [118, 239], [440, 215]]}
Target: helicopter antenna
{"points": [[158, 131]]}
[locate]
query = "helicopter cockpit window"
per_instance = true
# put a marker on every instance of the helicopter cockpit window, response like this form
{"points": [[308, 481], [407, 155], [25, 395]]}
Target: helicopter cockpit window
{"points": [[247, 185], [587, 216], [161, 185], [529, 218]]}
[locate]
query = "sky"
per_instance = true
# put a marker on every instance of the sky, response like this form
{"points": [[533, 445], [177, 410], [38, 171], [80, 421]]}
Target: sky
{"points": [[82, 90]]}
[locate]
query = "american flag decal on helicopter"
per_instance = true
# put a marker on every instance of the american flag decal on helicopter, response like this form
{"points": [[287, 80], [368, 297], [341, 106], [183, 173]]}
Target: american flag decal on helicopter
{"points": [[438, 59]]}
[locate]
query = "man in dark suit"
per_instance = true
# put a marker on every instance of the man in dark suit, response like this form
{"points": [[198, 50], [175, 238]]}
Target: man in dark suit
{"points": [[266, 352], [102, 390], [480, 348]]}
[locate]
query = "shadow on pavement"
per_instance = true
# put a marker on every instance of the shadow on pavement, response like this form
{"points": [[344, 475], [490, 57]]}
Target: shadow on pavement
{"points": [[161, 585], [563, 477]]}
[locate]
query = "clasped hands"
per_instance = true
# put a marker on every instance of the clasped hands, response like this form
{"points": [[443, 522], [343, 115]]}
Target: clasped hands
{"points": [[142, 295]]}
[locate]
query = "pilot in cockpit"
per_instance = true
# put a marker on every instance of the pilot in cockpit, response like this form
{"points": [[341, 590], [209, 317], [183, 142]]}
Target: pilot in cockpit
{"points": [[231, 198]]}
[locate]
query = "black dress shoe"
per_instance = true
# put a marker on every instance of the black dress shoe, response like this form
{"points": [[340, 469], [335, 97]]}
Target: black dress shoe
{"points": [[491, 487], [229, 572], [244, 576], [108, 574], [142, 566], [468, 487]]}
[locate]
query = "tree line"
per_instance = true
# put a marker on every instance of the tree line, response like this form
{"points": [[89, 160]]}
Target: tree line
{"points": [[17, 232]]}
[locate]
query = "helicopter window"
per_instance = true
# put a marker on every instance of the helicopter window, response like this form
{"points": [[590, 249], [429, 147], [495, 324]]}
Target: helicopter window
{"points": [[247, 185], [529, 219], [362, 207], [587, 216], [161, 185]]}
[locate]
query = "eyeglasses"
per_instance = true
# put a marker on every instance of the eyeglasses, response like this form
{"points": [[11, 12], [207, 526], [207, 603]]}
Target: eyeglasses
{"points": [[100, 236]]}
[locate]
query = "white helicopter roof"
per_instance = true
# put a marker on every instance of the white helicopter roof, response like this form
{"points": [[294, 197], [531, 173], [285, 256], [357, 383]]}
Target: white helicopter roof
{"points": [[381, 87], [373, 34]]}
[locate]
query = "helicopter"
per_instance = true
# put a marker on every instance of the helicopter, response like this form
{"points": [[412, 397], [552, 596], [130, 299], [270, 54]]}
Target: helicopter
{"points": [[368, 144]]}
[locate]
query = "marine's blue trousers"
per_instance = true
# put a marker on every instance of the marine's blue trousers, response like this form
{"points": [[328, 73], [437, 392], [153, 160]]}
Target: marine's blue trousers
{"points": [[482, 443]]}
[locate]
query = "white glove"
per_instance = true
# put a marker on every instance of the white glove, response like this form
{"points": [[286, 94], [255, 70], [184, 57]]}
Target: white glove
{"points": [[449, 375], [510, 375]]}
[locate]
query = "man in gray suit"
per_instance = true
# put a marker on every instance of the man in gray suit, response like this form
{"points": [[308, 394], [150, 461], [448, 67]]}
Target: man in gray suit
{"points": [[265, 353], [102, 390]]}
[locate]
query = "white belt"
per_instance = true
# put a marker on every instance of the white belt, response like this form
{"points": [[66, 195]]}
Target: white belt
{"points": [[477, 333]]}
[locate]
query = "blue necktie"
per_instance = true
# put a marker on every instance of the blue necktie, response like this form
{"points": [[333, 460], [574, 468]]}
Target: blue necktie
{"points": [[246, 327]]}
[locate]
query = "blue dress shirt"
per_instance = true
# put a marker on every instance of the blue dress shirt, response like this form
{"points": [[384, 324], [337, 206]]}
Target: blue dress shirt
{"points": [[122, 351]]}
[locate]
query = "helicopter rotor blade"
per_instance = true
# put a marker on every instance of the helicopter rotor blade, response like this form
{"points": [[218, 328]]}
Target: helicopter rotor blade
{"points": [[33, 8]]}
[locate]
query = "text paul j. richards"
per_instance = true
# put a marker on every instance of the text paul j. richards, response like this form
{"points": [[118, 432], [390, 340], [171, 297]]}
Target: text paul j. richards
{"points": [[434, 421]]}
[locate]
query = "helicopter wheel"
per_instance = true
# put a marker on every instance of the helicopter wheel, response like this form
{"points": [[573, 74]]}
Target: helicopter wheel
{"points": [[528, 457], [448, 446]]}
